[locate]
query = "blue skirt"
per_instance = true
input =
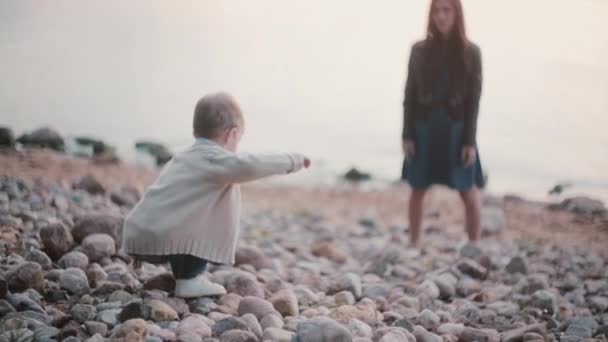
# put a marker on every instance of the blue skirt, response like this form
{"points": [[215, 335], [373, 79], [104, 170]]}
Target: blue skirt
{"points": [[438, 156]]}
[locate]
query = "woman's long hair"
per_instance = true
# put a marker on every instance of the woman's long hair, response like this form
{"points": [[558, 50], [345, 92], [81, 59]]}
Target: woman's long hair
{"points": [[458, 65]]}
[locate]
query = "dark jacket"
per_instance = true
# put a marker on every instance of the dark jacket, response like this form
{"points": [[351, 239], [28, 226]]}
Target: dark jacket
{"points": [[463, 97]]}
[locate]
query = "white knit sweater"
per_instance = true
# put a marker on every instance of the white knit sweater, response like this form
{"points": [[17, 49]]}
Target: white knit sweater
{"points": [[194, 206]]}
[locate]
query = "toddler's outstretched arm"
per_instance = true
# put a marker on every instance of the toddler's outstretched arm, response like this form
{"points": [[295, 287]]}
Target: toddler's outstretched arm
{"points": [[245, 167]]}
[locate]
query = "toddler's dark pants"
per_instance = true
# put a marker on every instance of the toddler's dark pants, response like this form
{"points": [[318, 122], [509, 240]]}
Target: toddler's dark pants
{"points": [[183, 266]]}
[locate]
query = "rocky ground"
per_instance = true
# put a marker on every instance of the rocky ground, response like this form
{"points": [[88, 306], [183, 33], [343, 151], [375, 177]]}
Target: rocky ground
{"points": [[313, 265]]}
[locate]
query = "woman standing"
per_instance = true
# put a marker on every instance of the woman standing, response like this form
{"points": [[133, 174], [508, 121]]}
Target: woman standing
{"points": [[440, 116]]}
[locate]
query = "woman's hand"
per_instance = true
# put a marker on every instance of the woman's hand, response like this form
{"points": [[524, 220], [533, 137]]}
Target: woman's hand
{"points": [[469, 154], [408, 149]]}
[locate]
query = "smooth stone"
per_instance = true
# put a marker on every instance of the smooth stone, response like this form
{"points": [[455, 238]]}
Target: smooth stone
{"points": [[517, 264], [256, 306], [83, 313], [348, 282], [472, 269], [131, 330], [359, 328], [98, 224], [253, 324], [74, 280], [227, 324], [428, 288], [25, 276], [322, 329], [544, 300], [422, 335], [285, 302], [21, 302], [344, 298], [109, 317], [96, 328], [272, 320], [193, 324], [40, 258], [98, 246], [245, 285], [278, 335], [74, 259], [57, 240], [253, 256], [428, 319], [238, 336]]}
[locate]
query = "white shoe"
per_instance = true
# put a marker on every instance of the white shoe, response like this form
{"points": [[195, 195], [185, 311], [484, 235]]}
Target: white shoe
{"points": [[197, 287]]}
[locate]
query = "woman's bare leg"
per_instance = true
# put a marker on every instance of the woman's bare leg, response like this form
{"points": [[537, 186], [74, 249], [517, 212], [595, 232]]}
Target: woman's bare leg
{"points": [[415, 215], [472, 204]]}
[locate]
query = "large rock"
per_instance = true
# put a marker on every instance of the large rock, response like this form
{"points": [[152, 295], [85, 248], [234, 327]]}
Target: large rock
{"points": [[40, 258], [161, 311], [359, 328], [364, 311], [7, 139], [57, 240], [583, 205], [25, 276], [89, 184], [272, 320], [193, 325], [74, 259], [43, 137], [545, 300], [447, 286], [347, 282], [83, 313], [244, 284], [422, 335], [322, 329], [428, 288], [330, 251], [253, 324], [278, 335], [125, 196], [285, 302], [428, 319], [109, 317], [98, 224], [96, 275], [581, 328], [517, 335], [98, 246], [6, 308], [134, 310], [238, 336], [22, 302], [253, 256], [517, 264], [96, 328], [471, 335], [131, 331], [256, 306], [74, 280], [384, 261], [472, 268], [227, 324]]}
